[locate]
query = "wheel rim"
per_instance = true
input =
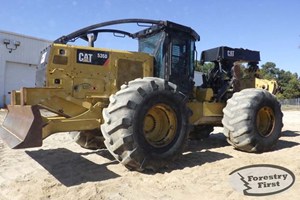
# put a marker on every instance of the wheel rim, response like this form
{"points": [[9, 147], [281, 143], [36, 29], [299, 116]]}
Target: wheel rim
{"points": [[265, 121], [160, 125]]}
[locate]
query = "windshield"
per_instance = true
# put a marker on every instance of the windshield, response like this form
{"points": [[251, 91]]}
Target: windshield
{"points": [[153, 45], [150, 44]]}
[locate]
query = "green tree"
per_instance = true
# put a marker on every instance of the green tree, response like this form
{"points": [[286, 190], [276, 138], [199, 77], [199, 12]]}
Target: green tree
{"points": [[205, 68], [290, 86], [289, 83], [269, 70]]}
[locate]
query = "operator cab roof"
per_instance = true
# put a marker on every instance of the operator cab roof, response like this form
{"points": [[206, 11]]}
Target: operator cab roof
{"points": [[153, 26]]}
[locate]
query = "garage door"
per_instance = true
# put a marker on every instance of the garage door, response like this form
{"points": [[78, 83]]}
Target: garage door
{"points": [[18, 75]]}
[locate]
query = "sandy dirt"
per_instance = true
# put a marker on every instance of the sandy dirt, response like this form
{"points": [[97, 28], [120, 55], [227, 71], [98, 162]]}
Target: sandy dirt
{"points": [[60, 169]]}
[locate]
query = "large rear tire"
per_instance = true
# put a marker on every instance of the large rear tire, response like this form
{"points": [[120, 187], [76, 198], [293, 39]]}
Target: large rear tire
{"points": [[252, 120], [146, 124]]}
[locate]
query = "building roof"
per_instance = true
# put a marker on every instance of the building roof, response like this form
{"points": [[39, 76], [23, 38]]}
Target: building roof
{"points": [[25, 36]]}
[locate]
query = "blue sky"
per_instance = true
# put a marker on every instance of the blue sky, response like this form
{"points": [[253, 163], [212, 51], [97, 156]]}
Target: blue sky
{"points": [[270, 26]]}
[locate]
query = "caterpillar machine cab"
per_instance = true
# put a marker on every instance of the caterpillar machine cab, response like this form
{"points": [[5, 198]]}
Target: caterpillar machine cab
{"points": [[143, 106]]}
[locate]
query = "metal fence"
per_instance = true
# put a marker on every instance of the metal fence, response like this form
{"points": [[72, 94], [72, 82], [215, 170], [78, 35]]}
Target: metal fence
{"points": [[294, 102]]}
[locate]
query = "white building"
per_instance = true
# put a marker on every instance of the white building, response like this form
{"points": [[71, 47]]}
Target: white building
{"points": [[19, 56]]}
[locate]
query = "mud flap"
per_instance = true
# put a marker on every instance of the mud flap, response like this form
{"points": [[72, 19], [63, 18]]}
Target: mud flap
{"points": [[22, 127]]}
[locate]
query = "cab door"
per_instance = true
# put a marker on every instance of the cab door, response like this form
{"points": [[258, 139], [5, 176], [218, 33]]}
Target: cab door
{"points": [[181, 62]]}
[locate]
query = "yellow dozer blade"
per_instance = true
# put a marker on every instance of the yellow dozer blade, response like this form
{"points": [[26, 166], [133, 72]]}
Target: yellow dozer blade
{"points": [[22, 127]]}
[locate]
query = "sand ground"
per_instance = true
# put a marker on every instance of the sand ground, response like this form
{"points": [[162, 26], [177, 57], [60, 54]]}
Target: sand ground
{"points": [[60, 169]]}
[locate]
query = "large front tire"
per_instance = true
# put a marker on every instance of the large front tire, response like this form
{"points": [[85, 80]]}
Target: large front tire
{"points": [[252, 120], [146, 124]]}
